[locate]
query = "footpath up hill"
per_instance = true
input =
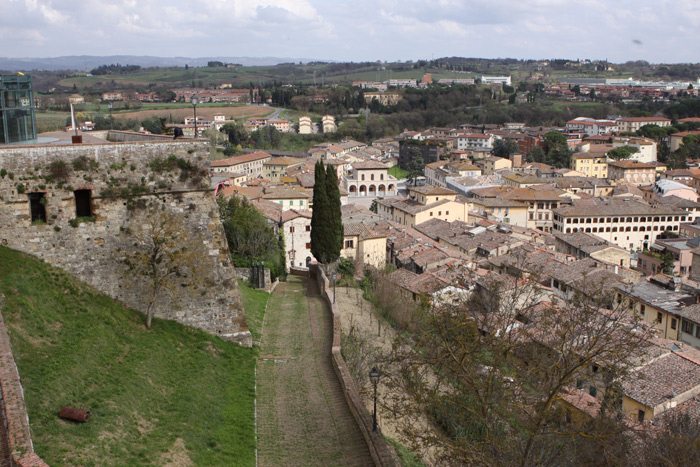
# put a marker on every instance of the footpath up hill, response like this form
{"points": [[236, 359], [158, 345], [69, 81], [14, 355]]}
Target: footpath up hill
{"points": [[171, 395]]}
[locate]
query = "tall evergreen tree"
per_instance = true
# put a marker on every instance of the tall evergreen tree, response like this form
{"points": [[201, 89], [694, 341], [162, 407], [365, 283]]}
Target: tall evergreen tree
{"points": [[319, 216], [335, 221]]}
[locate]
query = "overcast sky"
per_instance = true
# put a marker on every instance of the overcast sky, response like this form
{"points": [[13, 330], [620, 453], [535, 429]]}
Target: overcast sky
{"points": [[358, 30]]}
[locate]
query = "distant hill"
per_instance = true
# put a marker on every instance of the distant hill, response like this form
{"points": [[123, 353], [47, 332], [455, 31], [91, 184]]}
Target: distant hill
{"points": [[88, 62]]}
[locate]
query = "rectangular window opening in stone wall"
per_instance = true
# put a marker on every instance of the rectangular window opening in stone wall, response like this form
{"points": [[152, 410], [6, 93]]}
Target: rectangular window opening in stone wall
{"points": [[37, 206], [83, 203]]}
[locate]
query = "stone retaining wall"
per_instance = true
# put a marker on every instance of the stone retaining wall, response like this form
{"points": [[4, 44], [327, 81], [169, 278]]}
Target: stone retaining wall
{"points": [[14, 412], [378, 448], [124, 181]]}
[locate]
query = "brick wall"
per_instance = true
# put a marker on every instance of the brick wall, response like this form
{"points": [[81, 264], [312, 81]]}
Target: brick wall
{"points": [[378, 448], [122, 178], [14, 412]]}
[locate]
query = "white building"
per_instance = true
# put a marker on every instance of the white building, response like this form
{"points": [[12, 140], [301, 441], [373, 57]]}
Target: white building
{"points": [[296, 225], [646, 147], [495, 80]]}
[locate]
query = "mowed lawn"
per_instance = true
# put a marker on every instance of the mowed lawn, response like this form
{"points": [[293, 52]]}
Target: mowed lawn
{"points": [[171, 395]]}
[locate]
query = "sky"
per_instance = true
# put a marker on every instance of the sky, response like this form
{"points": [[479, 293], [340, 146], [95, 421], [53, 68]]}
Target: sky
{"points": [[658, 31]]}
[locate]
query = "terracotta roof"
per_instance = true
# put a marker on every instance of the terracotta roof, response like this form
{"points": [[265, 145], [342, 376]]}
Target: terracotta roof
{"points": [[662, 380], [432, 190], [240, 159], [290, 214], [595, 207], [285, 161], [369, 164], [284, 192]]}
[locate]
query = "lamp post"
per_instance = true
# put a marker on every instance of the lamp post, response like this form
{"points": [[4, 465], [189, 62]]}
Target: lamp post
{"points": [[374, 377], [195, 101], [111, 122]]}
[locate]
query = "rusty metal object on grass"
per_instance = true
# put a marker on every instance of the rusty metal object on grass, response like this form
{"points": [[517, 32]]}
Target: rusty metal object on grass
{"points": [[79, 415]]}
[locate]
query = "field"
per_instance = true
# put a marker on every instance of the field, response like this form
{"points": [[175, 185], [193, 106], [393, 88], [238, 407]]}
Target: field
{"points": [[169, 395], [178, 114], [398, 172], [55, 121]]}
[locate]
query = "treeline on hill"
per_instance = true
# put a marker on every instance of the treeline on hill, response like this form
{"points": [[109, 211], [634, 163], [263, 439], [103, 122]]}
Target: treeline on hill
{"points": [[115, 69]]}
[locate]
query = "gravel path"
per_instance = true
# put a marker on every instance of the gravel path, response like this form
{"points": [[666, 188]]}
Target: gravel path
{"points": [[303, 419]]}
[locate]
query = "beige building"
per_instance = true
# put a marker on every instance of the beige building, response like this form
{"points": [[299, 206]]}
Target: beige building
{"points": [[328, 124], [249, 164], [493, 164], [370, 178], [424, 203], [501, 210], [632, 124], [305, 126], [590, 164], [632, 171], [276, 167], [280, 125], [287, 197], [363, 245], [384, 98]]}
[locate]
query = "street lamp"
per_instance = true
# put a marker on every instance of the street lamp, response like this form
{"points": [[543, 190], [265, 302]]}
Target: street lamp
{"points": [[195, 101], [111, 122], [374, 377]]}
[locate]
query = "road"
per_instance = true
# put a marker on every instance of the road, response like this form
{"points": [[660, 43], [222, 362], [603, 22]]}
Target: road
{"points": [[303, 419]]}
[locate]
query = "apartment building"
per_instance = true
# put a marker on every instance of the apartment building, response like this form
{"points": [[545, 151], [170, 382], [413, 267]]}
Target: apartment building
{"points": [[628, 223]]}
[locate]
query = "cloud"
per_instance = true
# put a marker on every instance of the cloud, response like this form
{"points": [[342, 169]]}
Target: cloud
{"points": [[354, 29], [275, 14]]}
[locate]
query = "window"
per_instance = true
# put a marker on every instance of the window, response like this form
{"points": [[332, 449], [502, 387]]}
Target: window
{"points": [[349, 243], [431, 213], [308, 228], [640, 416], [674, 323], [37, 206], [308, 246], [688, 327], [592, 391], [447, 213], [291, 229], [83, 206], [642, 309], [659, 317]]}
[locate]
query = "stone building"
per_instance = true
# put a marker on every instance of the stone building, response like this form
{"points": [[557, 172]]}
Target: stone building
{"points": [[370, 178], [73, 206]]}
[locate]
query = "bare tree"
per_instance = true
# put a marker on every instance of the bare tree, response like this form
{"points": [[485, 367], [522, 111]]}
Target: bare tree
{"points": [[491, 372], [161, 256]]}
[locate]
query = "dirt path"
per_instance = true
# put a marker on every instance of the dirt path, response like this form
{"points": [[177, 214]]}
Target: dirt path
{"points": [[303, 419]]}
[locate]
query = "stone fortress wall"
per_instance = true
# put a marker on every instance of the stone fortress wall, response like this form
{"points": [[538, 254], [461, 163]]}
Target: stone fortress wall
{"points": [[106, 186]]}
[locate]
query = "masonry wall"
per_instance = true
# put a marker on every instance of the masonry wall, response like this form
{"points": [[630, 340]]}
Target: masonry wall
{"points": [[123, 180]]}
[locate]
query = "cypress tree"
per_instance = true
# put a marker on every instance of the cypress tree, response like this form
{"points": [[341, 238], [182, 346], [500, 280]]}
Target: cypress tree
{"points": [[319, 216], [335, 221]]}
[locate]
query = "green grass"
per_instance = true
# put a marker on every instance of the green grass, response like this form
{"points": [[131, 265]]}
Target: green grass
{"points": [[406, 457], [146, 389], [398, 172], [254, 303]]}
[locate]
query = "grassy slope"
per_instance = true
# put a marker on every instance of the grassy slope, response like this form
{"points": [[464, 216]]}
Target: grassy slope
{"points": [[254, 303], [145, 388]]}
